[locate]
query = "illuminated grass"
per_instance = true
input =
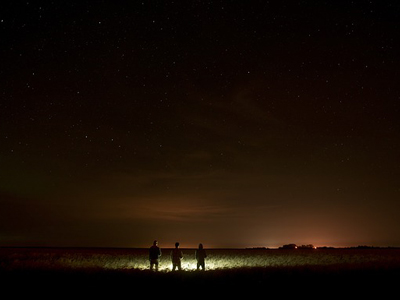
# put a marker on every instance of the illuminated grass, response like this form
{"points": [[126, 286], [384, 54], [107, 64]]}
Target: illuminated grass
{"points": [[116, 271], [218, 259]]}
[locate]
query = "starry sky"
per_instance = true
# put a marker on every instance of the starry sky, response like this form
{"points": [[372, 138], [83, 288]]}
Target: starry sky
{"points": [[227, 123]]}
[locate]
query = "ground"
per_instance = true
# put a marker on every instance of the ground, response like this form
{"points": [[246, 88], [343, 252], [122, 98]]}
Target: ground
{"points": [[313, 282]]}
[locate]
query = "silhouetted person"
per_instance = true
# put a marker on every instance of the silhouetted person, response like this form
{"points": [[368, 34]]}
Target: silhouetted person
{"points": [[200, 255], [154, 255], [176, 257]]}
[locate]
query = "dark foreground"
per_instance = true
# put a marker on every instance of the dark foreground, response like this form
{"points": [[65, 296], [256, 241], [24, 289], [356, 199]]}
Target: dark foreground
{"points": [[312, 282]]}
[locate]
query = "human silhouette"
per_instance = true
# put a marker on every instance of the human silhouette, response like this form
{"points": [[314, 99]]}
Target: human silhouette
{"points": [[176, 257], [154, 255], [200, 255]]}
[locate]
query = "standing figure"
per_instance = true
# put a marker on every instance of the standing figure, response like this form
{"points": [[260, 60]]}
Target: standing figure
{"points": [[176, 257], [200, 257], [154, 255]]}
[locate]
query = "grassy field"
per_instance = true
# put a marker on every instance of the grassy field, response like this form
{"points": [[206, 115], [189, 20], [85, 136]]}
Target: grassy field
{"points": [[97, 270]]}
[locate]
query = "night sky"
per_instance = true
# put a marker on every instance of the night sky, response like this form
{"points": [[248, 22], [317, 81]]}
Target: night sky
{"points": [[227, 123]]}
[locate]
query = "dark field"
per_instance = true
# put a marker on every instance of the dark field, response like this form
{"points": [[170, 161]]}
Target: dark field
{"points": [[57, 272]]}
